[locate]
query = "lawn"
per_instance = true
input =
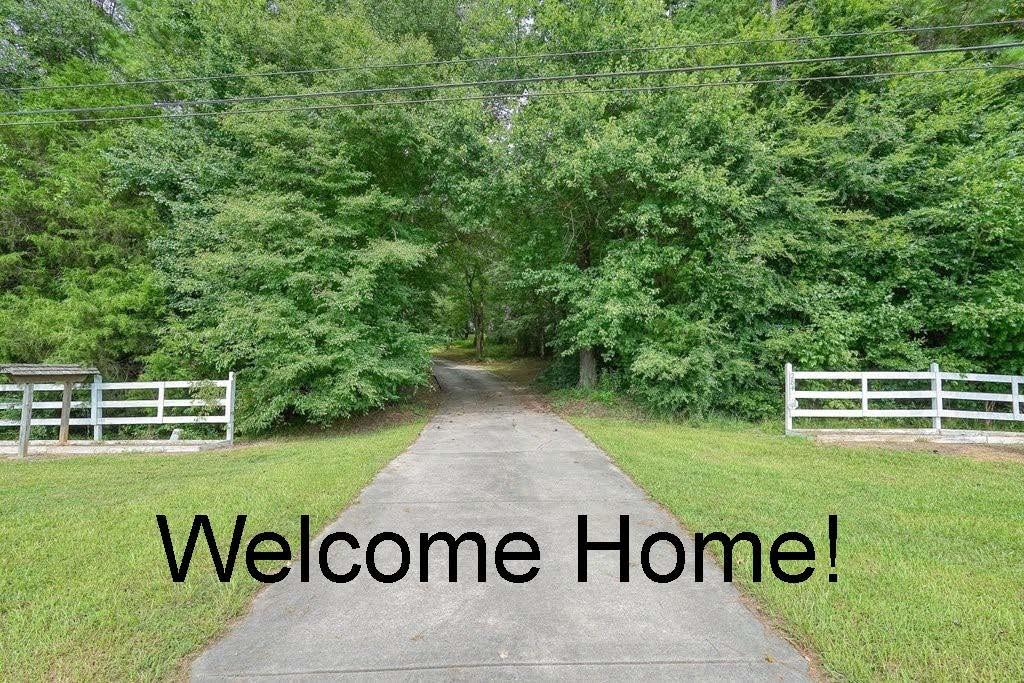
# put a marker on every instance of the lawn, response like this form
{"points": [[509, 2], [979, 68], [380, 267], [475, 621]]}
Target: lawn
{"points": [[930, 548], [84, 587]]}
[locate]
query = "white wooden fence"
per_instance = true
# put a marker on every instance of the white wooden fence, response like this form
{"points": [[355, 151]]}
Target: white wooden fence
{"points": [[117, 403], [928, 398]]}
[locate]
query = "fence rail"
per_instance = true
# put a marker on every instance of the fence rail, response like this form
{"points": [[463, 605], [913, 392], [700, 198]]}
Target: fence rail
{"points": [[122, 410], [942, 403]]}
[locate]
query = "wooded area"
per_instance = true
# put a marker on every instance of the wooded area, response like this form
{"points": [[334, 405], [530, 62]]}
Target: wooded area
{"points": [[678, 244]]}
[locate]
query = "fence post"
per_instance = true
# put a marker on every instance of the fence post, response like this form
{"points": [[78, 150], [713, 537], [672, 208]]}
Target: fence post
{"points": [[26, 420], [1015, 392], [789, 398], [161, 393], [229, 409], [864, 396], [97, 408], [936, 398], [65, 415]]}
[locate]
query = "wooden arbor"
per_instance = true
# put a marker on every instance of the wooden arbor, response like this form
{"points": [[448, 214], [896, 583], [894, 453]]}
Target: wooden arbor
{"points": [[27, 376]]}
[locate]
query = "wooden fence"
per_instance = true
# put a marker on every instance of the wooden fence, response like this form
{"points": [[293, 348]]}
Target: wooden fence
{"points": [[919, 395], [119, 403]]}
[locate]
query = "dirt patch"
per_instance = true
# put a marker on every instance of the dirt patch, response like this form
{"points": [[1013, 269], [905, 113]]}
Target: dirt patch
{"points": [[419, 404], [533, 401], [521, 371], [984, 452]]}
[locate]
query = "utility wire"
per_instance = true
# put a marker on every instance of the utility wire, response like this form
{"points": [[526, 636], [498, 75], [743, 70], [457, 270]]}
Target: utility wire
{"points": [[500, 96], [517, 81], [503, 58]]}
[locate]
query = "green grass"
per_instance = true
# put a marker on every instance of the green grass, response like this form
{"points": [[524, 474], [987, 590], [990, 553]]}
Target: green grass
{"points": [[84, 587], [930, 548]]}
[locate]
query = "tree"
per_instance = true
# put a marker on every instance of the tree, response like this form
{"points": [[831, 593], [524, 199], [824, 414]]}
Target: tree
{"points": [[679, 245]]}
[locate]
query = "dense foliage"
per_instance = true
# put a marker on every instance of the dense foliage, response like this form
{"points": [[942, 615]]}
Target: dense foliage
{"points": [[683, 243]]}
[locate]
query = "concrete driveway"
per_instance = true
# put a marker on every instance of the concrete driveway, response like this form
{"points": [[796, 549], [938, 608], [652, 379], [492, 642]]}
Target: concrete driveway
{"points": [[489, 463]]}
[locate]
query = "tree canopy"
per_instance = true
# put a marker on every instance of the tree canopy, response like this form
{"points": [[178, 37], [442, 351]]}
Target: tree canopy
{"points": [[679, 243]]}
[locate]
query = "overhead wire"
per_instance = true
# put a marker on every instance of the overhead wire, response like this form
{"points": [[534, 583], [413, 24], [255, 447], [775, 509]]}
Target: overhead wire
{"points": [[502, 58], [500, 96], [698, 68]]}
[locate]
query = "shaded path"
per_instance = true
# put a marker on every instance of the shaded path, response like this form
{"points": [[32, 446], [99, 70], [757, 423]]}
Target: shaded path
{"points": [[487, 463]]}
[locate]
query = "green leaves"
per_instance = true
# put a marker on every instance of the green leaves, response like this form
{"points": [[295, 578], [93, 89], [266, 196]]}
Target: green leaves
{"points": [[287, 247], [696, 240], [701, 239]]}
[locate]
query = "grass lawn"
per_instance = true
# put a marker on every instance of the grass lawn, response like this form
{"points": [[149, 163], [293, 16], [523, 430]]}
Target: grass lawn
{"points": [[84, 587], [930, 548]]}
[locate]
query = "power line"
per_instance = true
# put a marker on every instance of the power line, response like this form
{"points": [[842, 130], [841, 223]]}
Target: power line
{"points": [[503, 58], [500, 96], [522, 80]]}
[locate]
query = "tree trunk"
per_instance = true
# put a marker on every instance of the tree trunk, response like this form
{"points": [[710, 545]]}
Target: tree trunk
{"points": [[588, 368], [478, 332], [588, 359]]}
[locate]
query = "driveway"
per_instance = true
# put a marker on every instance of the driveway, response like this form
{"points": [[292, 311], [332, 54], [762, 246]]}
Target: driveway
{"points": [[489, 463]]}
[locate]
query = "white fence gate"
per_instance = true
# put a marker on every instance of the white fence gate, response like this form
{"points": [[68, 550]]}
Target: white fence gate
{"points": [[929, 398], [118, 403]]}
